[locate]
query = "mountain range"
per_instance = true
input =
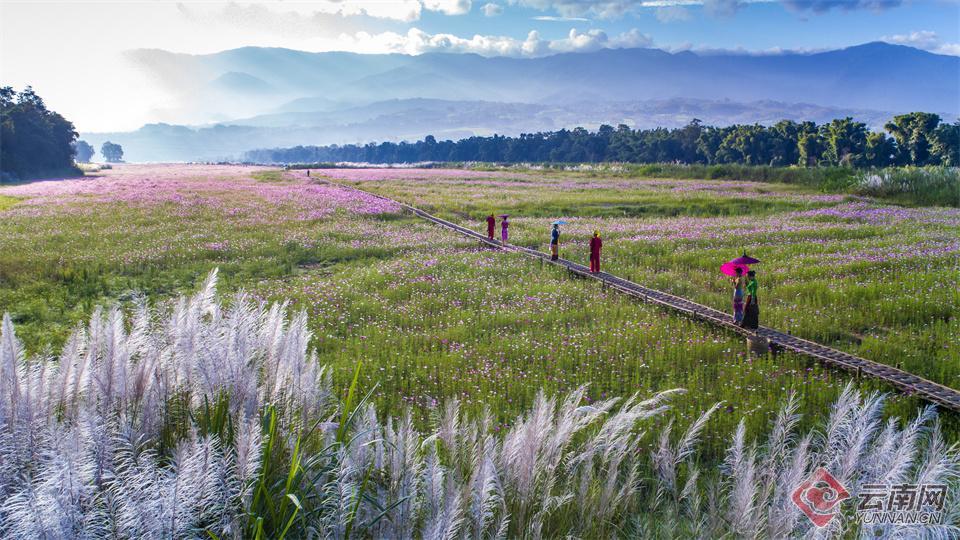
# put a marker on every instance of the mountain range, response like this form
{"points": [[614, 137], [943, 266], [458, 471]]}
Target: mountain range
{"points": [[251, 97]]}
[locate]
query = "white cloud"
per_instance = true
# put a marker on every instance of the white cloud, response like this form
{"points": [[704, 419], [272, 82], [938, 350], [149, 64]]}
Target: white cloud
{"points": [[297, 13], [492, 10], [953, 49], [926, 40], [923, 39], [603, 9], [416, 41], [448, 7], [393, 10]]}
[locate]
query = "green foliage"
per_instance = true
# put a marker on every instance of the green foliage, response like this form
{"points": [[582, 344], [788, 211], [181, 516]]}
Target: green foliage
{"points": [[946, 144], [842, 142], [268, 176], [916, 185], [275, 504], [83, 152], [423, 309], [112, 153], [7, 202], [35, 142], [913, 133], [845, 142], [929, 185]]}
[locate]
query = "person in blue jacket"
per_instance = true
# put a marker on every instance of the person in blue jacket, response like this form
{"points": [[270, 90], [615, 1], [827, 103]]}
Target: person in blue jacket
{"points": [[555, 242]]}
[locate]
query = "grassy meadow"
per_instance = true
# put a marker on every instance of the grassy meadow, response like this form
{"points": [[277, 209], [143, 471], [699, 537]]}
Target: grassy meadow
{"points": [[431, 315], [877, 280], [433, 319]]}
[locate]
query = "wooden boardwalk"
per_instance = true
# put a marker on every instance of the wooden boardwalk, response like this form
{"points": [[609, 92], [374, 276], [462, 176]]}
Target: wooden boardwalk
{"points": [[904, 381]]}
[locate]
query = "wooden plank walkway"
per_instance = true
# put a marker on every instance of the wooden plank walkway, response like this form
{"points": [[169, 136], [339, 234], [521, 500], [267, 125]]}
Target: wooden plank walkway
{"points": [[906, 382]]}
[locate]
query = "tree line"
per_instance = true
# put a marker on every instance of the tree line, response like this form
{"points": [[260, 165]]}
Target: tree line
{"points": [[34, 141], [112, 152], [37, 142], [909, 139]]}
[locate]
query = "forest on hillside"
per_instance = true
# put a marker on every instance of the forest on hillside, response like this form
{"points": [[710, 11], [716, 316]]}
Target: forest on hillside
{"points": [[916, 138]]}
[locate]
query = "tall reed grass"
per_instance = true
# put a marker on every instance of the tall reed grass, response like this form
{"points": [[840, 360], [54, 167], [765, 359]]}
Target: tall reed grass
{"points": [[206, 420]]}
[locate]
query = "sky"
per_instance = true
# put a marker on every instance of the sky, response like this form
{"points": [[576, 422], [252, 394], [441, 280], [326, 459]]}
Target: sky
{"points": [[73, 52]]}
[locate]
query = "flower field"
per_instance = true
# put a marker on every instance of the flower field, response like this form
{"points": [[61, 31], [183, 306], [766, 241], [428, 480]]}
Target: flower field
{"points": [[434, 320], [877, 280]]}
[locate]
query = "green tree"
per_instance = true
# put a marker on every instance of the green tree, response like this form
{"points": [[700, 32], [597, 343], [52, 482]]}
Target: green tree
{"points": [[913, 132], [750, 145], [111, 152], [845, 142], [809, 144], [34, 141], [945, 145], [784, 135], [880, 150], [622, 146], [82, 151], [689, 137], [708, 144]]}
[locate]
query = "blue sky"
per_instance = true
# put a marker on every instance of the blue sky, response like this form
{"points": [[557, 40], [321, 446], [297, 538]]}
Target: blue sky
{"points": [[74, 52], [755, 26]]}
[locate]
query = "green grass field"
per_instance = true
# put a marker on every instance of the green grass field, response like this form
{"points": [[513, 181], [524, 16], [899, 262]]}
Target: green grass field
{"points": [[437, 349], [432, 316], [873, 279]]}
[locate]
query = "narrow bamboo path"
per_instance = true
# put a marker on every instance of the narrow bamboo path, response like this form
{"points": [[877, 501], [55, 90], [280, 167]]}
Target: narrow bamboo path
{"points": [[904, 381]]}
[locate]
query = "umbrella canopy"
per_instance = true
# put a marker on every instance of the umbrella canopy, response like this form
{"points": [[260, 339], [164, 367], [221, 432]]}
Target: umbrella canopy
{"points": [[745, 259], [730, 268], [559, 222], [504, 215]]}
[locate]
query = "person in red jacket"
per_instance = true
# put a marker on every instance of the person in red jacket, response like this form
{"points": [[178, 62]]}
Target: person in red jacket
{"points": [[595, 244], [491, 224]]}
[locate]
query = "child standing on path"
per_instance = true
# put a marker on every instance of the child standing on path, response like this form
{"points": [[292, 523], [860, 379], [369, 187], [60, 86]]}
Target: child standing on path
{"points": [[491, 224]]}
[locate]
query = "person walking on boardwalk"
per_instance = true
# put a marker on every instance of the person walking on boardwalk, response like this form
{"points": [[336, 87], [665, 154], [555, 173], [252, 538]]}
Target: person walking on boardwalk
{"points": [[738, 296], [555, 242], [751, 310], [504, 224], [491, 224], [595, 244]]}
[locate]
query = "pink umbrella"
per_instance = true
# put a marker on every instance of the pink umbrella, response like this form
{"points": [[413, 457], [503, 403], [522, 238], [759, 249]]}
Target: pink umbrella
{"points": [[730, 268], [745, 259]]}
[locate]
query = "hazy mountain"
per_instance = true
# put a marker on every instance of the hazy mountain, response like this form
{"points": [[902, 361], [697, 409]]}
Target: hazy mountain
{"points": [[412, 119], [284, 97]]}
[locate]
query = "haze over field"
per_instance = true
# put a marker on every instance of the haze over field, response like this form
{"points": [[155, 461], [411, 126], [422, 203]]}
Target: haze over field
{"points": [[280, 97]]}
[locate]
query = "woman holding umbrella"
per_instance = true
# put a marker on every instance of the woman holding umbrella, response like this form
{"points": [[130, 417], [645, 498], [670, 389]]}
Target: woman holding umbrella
{"points": [[738, 296], [504, 224], [737, 268]]}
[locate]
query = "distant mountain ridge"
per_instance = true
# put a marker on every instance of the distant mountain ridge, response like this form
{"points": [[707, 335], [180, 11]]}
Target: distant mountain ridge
{"points": [[335, 97]]}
